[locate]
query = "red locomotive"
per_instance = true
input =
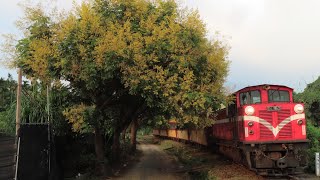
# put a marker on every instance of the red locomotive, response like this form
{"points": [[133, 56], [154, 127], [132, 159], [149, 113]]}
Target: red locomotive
{"points": [[263, 128]]}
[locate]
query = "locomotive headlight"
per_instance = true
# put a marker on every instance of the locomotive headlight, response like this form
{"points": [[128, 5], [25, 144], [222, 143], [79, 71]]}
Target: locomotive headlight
{"points": [[250, 123], [300, 121], [298, 109], [249, 110]]}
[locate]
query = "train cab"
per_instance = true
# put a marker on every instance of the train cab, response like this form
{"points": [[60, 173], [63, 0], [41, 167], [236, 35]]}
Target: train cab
{"points": [[264, 128], [268, 113]]}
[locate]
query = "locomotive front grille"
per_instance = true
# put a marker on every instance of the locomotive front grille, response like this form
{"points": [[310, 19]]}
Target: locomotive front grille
{"points": [[265, 132], [280, 119], [286, 131]]}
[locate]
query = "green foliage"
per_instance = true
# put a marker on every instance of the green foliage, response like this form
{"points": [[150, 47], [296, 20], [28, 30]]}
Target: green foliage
{"points": [[33, 104], [34, 107], [7, 105], [313, 134], [7, 119], [150, 50], [77, 116], [7, 92], [61, 97], [146, 130], [311, 98]]}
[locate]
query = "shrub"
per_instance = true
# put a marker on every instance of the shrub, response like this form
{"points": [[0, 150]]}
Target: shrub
{"points": [[313, 134]]}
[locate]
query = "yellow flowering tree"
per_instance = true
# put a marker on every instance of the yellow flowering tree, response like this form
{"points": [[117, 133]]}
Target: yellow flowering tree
{"points": [[125, 57]]}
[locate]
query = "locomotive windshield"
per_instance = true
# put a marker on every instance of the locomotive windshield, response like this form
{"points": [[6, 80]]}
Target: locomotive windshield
{"points": [[278, 95], [250, 97]]}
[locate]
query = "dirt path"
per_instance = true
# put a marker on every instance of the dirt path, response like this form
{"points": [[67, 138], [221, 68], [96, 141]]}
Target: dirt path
{"points": [[154, 164]]}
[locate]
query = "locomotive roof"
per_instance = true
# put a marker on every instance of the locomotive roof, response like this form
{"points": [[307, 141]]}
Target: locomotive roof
{"points": [[261, 85]]}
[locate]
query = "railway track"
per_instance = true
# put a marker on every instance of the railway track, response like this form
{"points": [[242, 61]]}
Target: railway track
{"points": [[292, 177]]}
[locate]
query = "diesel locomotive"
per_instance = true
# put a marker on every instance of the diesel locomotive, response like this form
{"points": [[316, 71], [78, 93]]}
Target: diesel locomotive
{"points": [[262, 128]]}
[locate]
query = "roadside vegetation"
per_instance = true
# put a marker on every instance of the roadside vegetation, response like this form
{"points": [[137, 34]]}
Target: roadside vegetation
{"points": [[7, 105], [311, 99], [201, 163]]}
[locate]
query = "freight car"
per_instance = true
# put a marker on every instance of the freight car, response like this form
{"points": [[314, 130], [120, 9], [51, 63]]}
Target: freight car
{"points": [[262, 128]]}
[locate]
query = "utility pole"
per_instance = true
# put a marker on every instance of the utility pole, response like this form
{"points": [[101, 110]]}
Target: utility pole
{"points": [[18, 109], [48, 103]]}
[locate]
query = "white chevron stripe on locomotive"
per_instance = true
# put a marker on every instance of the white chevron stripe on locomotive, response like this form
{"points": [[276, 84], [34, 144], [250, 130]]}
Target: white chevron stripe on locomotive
{"points": [[274, 130]]}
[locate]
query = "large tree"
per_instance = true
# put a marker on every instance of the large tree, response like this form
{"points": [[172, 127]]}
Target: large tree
{"points": [[122, 58]]}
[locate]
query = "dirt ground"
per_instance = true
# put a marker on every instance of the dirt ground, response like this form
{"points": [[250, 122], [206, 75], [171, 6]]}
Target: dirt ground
{"points": [[202, 163], [170, 160], [154, 164]]}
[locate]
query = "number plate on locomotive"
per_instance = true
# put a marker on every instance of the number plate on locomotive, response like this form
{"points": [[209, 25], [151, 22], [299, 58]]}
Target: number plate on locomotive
{"points": [[273, 108]]}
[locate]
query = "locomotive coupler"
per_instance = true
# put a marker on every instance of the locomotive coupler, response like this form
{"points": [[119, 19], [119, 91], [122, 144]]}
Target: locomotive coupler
{"points": [[281, 163]]}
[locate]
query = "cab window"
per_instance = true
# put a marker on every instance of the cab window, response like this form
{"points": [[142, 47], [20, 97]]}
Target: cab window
{"points": [[278, 95], [250, 97]]}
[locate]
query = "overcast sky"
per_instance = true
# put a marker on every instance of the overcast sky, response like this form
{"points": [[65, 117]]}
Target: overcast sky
{"points": [[272, 41]]}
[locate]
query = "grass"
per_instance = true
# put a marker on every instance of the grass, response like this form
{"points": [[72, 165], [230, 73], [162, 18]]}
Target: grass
{"points": [[148, 139], [196, 165], [202, 164]]}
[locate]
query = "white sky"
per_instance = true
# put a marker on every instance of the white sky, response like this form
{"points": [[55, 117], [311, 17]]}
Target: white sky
{"points": [[271, 41]]}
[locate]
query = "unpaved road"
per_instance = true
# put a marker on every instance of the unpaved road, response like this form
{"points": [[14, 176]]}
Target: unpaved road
{"points": [[154, 164]]}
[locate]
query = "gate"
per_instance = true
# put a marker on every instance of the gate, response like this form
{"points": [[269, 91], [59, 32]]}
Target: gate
{"points": [[34, 152], [7, 157]]}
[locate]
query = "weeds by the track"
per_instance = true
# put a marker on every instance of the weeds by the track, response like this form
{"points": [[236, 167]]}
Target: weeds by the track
{"points": [[202, 164]]}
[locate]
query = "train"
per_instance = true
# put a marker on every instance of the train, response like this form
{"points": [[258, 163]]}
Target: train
{"points": [[262, 128]]}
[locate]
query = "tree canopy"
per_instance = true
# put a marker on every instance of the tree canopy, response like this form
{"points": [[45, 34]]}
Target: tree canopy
{"points": [[311, 97], [123, 58], [150, 49]]}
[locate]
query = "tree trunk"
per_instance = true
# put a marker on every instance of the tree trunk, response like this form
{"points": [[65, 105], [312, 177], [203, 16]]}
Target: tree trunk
{"points": [[116, 146], [124, 135], [133, 135], [99, 149]]}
